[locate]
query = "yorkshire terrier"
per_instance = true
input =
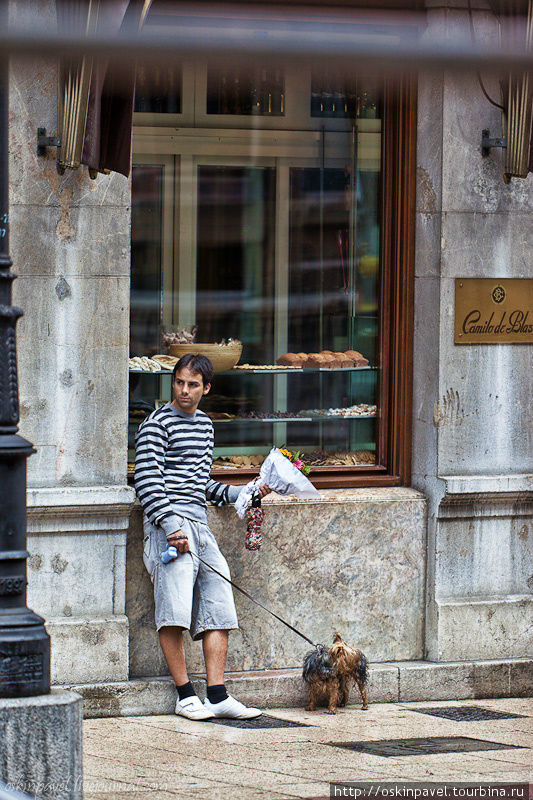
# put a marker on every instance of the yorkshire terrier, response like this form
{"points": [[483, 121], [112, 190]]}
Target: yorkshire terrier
{"points": [[331, 670]]}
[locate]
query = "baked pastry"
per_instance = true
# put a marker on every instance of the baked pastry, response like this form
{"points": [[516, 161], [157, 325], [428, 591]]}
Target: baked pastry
{"points": [[359, 359], [303, 356], [330, 360], [290, 360], [345, 361], [316, 360]]}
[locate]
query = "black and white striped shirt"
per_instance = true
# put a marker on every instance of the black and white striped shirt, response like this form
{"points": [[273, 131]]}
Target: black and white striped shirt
{"points": [[172, 465]]}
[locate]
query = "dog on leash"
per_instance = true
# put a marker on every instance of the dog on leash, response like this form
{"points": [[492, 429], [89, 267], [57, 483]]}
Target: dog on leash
{"points": [[330, 672]]}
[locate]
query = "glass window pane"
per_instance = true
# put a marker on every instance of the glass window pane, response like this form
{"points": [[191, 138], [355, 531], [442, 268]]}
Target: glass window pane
{"points": [[271, 238], [146, 254]]}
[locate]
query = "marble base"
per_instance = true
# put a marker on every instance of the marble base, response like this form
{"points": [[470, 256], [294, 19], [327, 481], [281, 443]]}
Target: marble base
{"points": [[76, 578], [353, 562]]}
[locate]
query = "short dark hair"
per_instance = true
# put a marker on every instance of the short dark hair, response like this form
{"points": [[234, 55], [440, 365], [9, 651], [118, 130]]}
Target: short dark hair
{"points": [[195, 363]]}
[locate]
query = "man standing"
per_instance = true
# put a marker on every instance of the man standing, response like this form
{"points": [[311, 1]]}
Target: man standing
{"points": [[172, 466]]}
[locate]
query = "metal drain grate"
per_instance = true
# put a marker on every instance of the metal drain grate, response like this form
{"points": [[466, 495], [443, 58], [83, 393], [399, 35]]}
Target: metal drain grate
{"points": [[264, 721], [466, 713], [419, 747]]}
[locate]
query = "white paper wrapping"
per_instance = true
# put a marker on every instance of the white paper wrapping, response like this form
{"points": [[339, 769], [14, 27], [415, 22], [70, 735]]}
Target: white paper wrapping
{"points": [[281, 476]]}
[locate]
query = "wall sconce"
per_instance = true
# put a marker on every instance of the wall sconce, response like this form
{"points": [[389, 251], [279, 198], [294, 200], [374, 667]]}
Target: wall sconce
{"points": [[515, 18]]}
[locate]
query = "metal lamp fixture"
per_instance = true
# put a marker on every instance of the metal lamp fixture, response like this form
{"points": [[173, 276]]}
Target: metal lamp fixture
{"points": [[517, 114], [516, 31], [74, 84], [95, 93]]}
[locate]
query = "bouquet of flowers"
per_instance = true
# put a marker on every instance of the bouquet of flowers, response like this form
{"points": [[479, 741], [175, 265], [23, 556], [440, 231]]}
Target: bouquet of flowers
{"points": [[295, 459], [282, 475]]}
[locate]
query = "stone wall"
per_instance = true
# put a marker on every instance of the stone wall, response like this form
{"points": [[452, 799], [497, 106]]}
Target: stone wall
{"points": [[354, 561], [70, 246], [473, 426]]}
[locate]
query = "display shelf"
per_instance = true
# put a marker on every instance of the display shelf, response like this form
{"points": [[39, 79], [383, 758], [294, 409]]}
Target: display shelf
{"points": [[316, 418], [260, 371]]}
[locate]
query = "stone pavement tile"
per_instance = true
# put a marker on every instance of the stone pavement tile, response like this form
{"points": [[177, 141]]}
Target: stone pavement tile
{"points": [[230, 765], [454, 766], [225, 792], [512, 757], [134, 794], [103, 769], [218, 732]]}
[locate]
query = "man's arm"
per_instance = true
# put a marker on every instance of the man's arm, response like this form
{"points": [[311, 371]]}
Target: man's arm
{"points": [[152, 442], [222, 493]]}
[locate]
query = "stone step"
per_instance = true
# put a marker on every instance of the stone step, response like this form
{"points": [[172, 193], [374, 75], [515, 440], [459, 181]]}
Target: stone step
{"points": [[400, 681]]}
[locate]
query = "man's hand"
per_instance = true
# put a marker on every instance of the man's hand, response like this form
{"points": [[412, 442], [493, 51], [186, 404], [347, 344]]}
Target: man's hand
{"points": [[263, 490], [179, 541]]}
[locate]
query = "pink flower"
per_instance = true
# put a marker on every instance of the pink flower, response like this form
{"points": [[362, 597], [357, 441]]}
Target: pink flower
{"points": [[297, 463]]}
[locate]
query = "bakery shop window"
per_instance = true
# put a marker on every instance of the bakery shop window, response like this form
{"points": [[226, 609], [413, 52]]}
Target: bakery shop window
{"points": [[265, 247]]}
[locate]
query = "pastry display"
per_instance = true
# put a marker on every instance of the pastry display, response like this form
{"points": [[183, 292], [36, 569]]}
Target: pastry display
{"points": [[244, 462], [290, 360], [315, 458], [326, 359], [183, 336], [270, 415], [360, 360], [358, 410], [220, 416], [144, 363], [167, 362], [266, 366]]}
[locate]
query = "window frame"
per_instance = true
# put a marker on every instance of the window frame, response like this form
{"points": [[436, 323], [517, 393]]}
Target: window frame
{"points": [[396, 290]]}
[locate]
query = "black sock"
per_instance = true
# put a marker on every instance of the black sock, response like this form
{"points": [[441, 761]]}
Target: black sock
{"points": [[185, 690], [216, 694]]}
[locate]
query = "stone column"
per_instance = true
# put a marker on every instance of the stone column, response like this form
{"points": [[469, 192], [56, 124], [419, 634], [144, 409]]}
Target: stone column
{"points": [[71, 245], [472, 452]]}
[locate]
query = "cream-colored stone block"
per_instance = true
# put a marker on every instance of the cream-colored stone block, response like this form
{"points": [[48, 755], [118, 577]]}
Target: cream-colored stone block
{"points": [[503, 628], [88, 649]]}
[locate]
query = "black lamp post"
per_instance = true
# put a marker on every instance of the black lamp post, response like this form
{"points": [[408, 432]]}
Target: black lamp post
{"points": [[24, 642]]}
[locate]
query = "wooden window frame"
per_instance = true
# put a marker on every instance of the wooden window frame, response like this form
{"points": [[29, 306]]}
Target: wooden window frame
{"points": [[395, 375]]}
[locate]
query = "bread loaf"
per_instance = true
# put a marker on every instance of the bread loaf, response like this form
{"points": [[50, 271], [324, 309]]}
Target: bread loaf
{"points": [[290, 360], [331, 361], [359, 359], [315, 361], [345, 361]]}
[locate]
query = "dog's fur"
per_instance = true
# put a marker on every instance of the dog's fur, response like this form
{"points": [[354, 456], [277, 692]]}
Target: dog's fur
{"points": [[331, 670]]}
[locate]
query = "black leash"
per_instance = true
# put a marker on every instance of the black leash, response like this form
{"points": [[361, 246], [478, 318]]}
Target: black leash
{"points": [[249, 596]]}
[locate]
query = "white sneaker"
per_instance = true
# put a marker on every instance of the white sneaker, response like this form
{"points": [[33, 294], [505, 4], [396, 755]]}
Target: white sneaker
{"points": [[192, 708], [232, 709]]}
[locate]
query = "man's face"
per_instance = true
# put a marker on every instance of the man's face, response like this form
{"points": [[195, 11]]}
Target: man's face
{"points": [[188, 390]]}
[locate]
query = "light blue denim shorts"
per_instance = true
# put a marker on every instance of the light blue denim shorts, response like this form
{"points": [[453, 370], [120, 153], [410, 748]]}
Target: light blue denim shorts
{"points": [[188, 594]]}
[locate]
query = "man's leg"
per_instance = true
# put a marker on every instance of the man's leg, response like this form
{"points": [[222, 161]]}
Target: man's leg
{"points": [[171, 641], [188, 705], [215, 646]]}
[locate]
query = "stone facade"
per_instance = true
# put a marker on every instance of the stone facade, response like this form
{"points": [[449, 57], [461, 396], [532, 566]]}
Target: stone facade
{"points": [[363, 561], [353, 562], [472, 420]]}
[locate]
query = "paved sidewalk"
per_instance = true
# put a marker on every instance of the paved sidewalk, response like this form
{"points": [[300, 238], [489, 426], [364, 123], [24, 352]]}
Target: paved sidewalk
{"points": [[166, 757]]}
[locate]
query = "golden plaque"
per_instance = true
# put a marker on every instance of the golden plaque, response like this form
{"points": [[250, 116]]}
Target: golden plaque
{"points": [[493, 310]]}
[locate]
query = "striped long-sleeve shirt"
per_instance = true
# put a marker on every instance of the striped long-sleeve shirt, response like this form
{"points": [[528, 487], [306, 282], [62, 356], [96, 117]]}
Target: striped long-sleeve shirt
{"points": [[172, 465]]}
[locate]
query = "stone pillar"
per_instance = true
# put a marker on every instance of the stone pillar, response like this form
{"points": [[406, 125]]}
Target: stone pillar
{"points": [[70, 241], [472, 422], [40, 746]]}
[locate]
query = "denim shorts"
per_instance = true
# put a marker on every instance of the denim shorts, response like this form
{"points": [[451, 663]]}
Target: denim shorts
{"points": [[188, 594]]}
